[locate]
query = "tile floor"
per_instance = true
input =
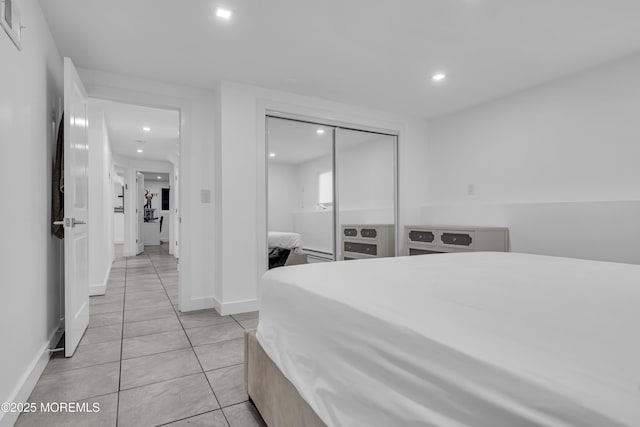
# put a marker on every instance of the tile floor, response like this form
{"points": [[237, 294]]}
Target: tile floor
{"points": [[146, 363]]}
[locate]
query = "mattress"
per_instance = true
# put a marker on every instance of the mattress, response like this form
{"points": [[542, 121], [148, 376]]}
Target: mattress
{"points": [[280, 239], [468, 339]]}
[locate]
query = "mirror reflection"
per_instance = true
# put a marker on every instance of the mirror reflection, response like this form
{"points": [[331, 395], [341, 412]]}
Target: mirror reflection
{"points": [[331, 193]]}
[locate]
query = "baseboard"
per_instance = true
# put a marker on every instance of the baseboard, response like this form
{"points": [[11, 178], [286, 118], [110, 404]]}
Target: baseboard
{"points": [[217, 304], [224, 308], [235, 307], [201, 303], [28, 382], [101, 288], [95, 290]]}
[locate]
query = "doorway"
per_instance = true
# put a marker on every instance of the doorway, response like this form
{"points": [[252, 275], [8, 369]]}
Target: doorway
{"points": [[154, 207], [118, 212], [137, 154], [145, 145]]}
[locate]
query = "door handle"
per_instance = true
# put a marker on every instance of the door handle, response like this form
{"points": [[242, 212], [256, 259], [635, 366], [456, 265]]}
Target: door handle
{"points": [[69, 222]]}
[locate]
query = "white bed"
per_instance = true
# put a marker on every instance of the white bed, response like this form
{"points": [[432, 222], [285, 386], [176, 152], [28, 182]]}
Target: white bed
{"points": [[286, 240], [478, 339]]}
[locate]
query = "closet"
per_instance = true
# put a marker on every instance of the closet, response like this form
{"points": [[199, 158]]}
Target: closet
{"points": [[323, 179]]}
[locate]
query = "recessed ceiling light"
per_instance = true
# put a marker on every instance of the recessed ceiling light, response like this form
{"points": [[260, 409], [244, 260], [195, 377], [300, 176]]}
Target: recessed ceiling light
{"points": [[438, 77], [139, 150], [223, 13], [320, 131], [272, 154], [159, 177], [146, 129]]}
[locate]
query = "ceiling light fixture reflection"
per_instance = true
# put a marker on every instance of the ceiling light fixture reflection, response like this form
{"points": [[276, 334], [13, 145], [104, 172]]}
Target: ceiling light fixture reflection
{"points": [[320, 131], [438, 77], [223, 13], [146, 129], [159, 177], [139, 150], [272, 154]]}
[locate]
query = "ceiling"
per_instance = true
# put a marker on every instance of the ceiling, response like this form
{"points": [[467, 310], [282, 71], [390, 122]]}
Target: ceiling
{"points": [[125, 124], [294, 142], [155, 176], [378, 54]]}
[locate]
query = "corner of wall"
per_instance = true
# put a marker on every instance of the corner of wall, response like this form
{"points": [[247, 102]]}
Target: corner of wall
{"points": [[100, 288]]}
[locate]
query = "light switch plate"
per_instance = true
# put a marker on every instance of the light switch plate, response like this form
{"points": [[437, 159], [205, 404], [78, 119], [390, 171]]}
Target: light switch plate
{"points": [[205, 196]]}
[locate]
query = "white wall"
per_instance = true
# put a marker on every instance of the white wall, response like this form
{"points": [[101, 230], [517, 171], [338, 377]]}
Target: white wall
{"points": [[30, 259], [558, 164], [366, 174], [118, 227], [316, 229], [284, 190], [366, 181], [240, 192], [308, 173], [100, 203], [313, 223]]}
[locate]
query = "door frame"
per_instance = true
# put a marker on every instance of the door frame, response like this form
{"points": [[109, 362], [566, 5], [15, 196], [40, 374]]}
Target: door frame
{"points": [[265, 112], [138, 227], [174, 209], [183, 107]]}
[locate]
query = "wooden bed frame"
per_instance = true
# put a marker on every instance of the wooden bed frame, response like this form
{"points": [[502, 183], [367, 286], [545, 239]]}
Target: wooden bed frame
{"points": [[275, 397]]}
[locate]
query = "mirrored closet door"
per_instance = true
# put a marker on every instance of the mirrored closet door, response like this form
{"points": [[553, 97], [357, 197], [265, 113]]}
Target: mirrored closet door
{"points": [[330, 192], [300, 192], [365, 182]]}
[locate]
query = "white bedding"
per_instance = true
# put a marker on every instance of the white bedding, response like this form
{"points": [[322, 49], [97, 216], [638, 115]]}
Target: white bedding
{"points": [[477, 339], [280, 239]]}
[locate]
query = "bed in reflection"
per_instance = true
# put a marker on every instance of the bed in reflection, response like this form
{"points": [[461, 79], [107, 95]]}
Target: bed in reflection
{"points": [[285, 248], [285, 240]]}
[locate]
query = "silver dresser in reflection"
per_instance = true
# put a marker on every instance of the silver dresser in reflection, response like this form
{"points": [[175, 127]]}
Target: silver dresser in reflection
{"points": [[361, 241], [431, 239]]}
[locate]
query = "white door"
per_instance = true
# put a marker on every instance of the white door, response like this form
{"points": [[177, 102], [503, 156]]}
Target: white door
{"points": [[140, 211], [76, 198]]}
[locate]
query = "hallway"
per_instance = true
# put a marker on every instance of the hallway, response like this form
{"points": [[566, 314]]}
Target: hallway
{"points": [[147, 364]]}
